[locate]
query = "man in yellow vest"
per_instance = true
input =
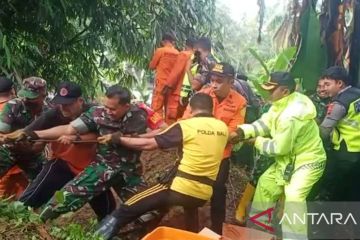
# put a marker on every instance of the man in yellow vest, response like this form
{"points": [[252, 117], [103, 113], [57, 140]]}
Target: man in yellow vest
{"points": [[289, 133], [340, 131], [202, 140]]}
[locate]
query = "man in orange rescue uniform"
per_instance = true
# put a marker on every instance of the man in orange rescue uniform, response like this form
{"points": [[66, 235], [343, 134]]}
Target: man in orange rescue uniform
{"points": [[229, 107], [163, 61], [14, 181], [174, 82]]}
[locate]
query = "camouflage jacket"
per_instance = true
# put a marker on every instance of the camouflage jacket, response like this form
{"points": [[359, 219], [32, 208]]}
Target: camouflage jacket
{"points": [[97, 120], [321, 107], [15, 115]]}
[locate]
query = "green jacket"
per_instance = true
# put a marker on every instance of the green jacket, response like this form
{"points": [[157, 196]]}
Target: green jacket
{"points": [[288, 132]]}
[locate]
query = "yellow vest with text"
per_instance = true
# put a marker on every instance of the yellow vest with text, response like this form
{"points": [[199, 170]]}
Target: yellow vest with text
{"points": [[348, 128], [204, 141]]}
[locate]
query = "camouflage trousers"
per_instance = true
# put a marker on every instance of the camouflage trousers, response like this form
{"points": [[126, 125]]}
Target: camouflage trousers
{"points": [[96, 178], [261, 164], [30, 163]]}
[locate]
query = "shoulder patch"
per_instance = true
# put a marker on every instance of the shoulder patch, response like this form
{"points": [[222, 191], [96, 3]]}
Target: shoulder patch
{"points": [[330, 108], [357, 106]]}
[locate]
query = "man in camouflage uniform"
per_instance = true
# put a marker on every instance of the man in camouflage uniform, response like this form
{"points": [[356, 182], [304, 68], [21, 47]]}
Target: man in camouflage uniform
{"points": [[197, 70], [321, 100], [116, 116], [17, 114]]}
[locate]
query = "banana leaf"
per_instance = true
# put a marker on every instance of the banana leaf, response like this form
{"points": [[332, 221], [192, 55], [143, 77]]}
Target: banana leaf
{"points": [[283, 60], [311, 59]]}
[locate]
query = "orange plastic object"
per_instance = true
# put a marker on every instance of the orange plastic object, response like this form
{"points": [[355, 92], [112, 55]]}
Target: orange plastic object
{"points": [[167, 233]]}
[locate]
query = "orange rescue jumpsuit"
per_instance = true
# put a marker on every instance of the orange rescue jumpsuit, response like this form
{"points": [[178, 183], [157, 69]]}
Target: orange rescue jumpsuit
{"points": [[174, 82], [163, 61], [231, 110]]}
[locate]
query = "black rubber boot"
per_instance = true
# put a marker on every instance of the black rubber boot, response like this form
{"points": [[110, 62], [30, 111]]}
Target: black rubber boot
{"points": [[108, 227]]}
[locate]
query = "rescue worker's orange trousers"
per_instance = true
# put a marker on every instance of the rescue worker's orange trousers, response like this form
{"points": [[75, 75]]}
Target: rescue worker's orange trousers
{"points": [[157, 101], [173, 113]]}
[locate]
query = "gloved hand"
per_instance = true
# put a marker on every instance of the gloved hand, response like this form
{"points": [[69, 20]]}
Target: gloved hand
{"points": [[110, 138], [19, 135], [20, 141], [15, 136], [2, 138], [237, 136], [105, 139]]}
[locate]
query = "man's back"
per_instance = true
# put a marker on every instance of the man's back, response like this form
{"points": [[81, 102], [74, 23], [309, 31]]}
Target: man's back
{"points": [[203, 141], [163, 61], [230, 110]]}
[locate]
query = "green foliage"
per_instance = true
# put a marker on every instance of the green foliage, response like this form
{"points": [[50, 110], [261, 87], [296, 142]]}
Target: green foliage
{"points": [[237, 38], [263, 64], [311, 59], [75, 232], [17, 212], [19, 222], [87, 40], [284, 59], [281, 62]]}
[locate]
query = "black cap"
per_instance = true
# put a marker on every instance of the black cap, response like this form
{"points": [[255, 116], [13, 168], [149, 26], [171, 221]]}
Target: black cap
{"points": [[279, 79], [223, 69], [5, 84], [67, 93]]}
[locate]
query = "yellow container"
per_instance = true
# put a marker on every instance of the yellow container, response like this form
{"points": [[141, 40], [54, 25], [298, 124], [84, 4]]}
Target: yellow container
{"points": [[167, 233]]}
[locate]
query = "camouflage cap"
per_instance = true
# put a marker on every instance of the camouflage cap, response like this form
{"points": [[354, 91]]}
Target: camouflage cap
{"points": [[33, 87]]}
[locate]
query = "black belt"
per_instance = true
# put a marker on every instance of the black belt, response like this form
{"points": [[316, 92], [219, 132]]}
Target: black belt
{"points": [[201, 179]]}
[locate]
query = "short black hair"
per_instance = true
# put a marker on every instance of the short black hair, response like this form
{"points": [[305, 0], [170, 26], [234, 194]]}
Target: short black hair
{"points": [[337, 73], [201, 101], [120, 92], [6, 84], [168, 37], [190, 42], [204, 43]]}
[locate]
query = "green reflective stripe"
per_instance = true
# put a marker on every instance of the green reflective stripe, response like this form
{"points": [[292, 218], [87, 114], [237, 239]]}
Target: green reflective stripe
{"points": [[257, 133], [312, 166], [271, 147], [268, 147], [265, 146], [263, 126]]}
